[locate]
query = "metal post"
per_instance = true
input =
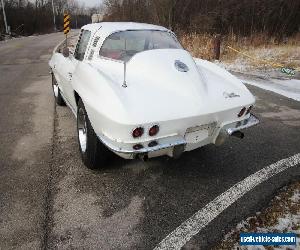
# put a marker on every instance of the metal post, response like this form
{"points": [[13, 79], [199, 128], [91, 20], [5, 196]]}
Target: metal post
{"points": [[4, 17], [76, 19], [54, 21]]}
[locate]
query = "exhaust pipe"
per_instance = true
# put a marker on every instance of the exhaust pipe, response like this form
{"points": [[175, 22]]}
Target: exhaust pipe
{"points": [[238, 134], [143, 157], [224, 134], [177, 151]]}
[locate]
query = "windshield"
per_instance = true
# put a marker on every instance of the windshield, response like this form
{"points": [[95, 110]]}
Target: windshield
{"points": [[125, 44]]}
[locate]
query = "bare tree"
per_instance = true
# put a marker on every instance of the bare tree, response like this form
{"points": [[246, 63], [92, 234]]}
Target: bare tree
{"points": [[244, 17]]}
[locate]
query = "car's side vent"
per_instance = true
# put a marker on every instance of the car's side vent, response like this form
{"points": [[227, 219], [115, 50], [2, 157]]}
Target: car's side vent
{"points": [[96, 40], [91, 55]]}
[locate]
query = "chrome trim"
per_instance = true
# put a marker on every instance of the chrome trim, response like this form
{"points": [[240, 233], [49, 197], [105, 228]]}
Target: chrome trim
{"points": [[247, 123], [109, 59], [230, 128], [181, 66], [117, 149]]}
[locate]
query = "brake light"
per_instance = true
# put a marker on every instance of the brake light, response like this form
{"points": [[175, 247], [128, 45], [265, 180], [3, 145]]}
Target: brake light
{"points": [[137, 146], [249, 110], [138, 132], [153, 130], [152, 144], [242, 112]]}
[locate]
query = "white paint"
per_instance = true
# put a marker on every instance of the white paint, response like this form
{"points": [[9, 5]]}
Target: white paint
{"points": [[182, 234], [156, 92]]}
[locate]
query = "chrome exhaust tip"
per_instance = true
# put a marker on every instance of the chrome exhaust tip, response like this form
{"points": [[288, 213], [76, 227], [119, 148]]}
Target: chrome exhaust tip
{"points": [[223, 135]]}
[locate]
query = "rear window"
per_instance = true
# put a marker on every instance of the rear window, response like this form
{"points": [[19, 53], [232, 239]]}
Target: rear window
{"points": [[125, 44]]}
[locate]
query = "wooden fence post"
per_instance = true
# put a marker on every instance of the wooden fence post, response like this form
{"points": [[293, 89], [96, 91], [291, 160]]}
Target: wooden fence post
{"points": [[217, 47]]}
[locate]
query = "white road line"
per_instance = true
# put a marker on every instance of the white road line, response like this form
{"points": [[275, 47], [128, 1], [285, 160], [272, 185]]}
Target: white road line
{"points": [[182, 234]]}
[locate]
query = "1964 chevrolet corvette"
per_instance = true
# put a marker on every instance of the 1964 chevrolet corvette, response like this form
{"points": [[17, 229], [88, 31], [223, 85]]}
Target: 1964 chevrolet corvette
{"points": [[136, 92]]}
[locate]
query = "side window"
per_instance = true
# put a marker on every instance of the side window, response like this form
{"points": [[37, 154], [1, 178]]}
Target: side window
{"points": [[82, 44]]}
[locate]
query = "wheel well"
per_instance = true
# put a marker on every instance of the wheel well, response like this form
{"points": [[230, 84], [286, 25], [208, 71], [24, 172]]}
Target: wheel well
{"points": [[77, 97]]}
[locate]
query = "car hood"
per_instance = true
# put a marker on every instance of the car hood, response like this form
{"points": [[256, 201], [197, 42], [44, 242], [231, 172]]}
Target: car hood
{"points": [[158, 89]]}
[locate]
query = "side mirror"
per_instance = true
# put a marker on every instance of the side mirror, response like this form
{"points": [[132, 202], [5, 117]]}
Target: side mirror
{"points": [[66, 52]]}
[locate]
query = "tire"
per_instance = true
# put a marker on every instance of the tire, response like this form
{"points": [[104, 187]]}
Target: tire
{"points": [[56, 92], [93, 153]]}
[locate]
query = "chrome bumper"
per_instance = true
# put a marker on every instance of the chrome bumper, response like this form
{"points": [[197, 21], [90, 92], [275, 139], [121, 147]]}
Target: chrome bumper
{"points": [[125, 150], [234, 128], [175, 145], [240, 125]]}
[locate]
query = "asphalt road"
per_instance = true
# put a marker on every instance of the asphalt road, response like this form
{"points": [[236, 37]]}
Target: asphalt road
{"points": [[48, 199]]}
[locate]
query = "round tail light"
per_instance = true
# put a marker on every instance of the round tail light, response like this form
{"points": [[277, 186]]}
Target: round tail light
{"points": [[137, 146], [138, 132], [153, 144], [249, 109], [153, 130], [242, 112]]}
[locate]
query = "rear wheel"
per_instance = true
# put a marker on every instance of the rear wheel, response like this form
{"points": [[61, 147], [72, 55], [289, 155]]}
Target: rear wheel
{"points": [[93, 153], [56, 92]]}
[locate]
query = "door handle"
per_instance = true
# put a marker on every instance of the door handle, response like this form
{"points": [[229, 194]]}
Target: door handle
{"points": [[70, 74]]}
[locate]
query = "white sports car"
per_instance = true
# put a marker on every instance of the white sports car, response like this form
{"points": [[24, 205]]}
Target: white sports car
{"points": [[136, 92]]}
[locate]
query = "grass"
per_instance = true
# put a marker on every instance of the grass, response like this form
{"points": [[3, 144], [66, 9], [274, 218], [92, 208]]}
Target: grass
{"points": [[259, 46]]}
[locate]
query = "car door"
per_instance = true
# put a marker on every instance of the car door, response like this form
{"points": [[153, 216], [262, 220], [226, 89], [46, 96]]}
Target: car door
{"points": [[68, 68]]}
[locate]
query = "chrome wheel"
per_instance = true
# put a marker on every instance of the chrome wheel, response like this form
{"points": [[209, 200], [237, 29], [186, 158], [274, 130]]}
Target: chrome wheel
{"points": [[55, 87], [82, 129], [56, 92], [93, 153]]}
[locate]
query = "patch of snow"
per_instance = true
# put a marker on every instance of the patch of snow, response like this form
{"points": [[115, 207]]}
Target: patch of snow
{"points": [[287, 88], [238, 65], [263, 59], [9, 39], [296, 197], [285, 223], [242, 225]]}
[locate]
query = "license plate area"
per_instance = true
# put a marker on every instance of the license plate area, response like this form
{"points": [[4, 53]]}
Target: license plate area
{"points": [[199, 133]]}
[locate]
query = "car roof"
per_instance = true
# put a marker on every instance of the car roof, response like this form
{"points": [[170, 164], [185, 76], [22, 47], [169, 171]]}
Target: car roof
{"points": [[106, 28]]}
